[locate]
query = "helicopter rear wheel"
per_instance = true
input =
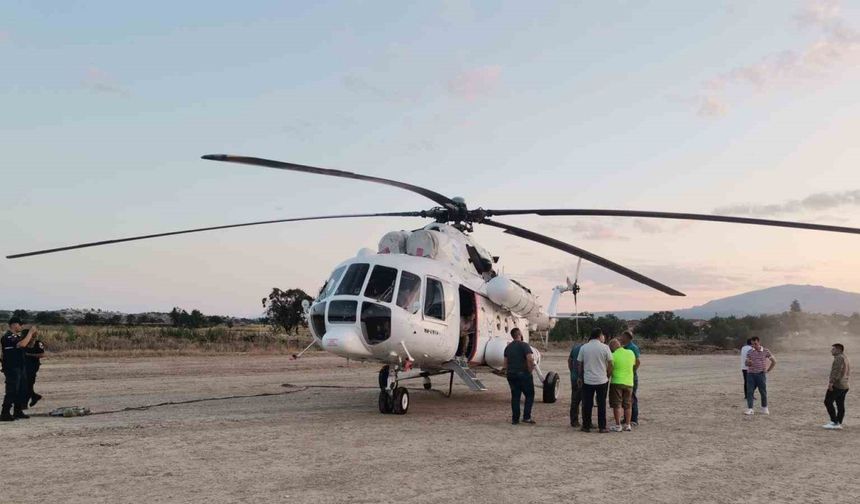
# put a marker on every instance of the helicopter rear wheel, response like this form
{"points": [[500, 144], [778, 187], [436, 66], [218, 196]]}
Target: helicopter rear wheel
{"points": [[386, 404], [550, 387], [401, 401], [427, 384]]}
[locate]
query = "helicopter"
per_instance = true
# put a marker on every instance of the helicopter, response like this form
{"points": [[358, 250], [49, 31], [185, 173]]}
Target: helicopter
{"points": [[429, 302]]}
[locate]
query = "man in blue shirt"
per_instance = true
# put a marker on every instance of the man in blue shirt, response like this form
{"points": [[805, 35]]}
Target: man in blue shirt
{"points": [[575, 386], [627, 342]]}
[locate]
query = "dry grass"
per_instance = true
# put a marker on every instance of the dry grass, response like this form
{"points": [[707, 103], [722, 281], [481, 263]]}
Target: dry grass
{"points": [[72, 340]]}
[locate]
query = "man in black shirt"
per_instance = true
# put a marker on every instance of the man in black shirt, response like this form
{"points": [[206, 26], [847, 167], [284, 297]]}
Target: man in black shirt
{"points": [[32, 362], [16, 395], [519, 363]]}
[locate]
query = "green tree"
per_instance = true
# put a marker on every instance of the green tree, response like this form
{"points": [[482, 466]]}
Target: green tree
{"points": [[91, 318], [130, 319], [795, 307], [667, 324], [49, 318], [284, 309], [21, 314]]}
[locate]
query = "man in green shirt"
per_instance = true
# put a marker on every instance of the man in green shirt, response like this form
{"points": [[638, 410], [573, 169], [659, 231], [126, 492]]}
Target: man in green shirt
{"points": [[621, 385]]}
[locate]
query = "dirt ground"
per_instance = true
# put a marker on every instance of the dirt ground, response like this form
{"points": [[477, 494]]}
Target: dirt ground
{"points": [[321, 445]]}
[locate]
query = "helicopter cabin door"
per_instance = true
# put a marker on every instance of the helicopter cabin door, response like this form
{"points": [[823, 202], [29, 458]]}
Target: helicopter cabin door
{"points": [[440, 315]]}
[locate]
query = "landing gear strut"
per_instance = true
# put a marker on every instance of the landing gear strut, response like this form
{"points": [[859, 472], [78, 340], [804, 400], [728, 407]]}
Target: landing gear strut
{"points": [[392, 397]]}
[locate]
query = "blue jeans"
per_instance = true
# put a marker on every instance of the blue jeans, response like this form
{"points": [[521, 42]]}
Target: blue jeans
{"points": [[521, 384], [756, 381]]}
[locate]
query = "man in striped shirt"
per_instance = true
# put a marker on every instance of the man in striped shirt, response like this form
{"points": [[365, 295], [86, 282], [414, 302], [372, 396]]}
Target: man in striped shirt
{"points": [[757, 369]]}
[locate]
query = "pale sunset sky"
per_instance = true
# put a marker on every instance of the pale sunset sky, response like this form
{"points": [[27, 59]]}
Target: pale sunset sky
{"points": [[734, 107]]}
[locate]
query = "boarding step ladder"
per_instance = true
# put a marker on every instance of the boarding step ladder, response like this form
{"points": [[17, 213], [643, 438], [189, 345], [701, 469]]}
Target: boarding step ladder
{"points": [[461, 368]]}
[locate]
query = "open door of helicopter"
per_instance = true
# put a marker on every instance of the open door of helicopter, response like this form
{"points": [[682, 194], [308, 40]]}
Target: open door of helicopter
{"points": [[468, 321]]}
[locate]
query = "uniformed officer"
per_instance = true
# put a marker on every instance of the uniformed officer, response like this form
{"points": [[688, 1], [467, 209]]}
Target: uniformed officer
{"points": [[13, 369], [32, 361]]}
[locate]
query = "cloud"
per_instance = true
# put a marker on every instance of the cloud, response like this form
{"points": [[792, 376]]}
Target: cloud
{"points": [[594, 230], [475, 82], [813, 202], [836, 47], [99, 81], [4, 36], [617, 228], [362, 86]]}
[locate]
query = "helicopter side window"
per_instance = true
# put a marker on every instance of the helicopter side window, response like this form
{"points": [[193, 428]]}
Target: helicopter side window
{"points": [[381, 284], [330, 284], [353, 279], [434, 299], [409, 291]]}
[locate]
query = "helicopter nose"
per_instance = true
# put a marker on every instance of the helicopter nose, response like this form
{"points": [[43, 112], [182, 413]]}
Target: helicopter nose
{"points": [[345, 341]]}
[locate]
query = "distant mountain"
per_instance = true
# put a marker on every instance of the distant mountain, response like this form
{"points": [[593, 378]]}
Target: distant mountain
{"points": [[812, 298]]}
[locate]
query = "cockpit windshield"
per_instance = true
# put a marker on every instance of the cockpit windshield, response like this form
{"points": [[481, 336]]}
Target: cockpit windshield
{"points": [[381, 284], [330, 284], [353, 279]]}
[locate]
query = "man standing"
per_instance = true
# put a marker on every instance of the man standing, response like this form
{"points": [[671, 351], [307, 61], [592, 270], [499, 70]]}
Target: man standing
{"points": [[33, 354], [757, 370], [744, 351], [595, 368], [13, 369], [575, 385], [837, 388], [519, 363], [627, 342], [621, 385]]}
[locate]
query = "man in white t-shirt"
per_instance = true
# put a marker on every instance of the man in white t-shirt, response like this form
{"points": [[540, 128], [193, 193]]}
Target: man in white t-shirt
{"points": [[744, 351], [595, 367]]}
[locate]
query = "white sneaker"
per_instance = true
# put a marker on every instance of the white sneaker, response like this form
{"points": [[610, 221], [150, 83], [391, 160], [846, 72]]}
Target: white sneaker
{"points": [[829, 425], [628, 428], [749, 411], [615, 428], [837, 426], [764, 411]]}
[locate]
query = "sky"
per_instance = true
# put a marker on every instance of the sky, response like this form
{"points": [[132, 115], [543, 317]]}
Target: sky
{"points": [[740, 108]]}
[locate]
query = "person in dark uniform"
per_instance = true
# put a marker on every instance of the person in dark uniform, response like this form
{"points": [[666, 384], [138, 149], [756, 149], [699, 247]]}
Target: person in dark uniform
{"points": [[32, 361], [16, 396], [519, 363]]}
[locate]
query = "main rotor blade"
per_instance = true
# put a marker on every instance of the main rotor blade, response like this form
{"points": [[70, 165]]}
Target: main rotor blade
{"points": [[675, 215], [438, 198], [186, 231], [588, 256]]}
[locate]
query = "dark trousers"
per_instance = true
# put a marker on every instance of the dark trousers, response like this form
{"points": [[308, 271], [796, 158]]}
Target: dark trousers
{"points": [[756, 381], [588, 392], [31, 382], [746, 392], [521, 384], [634, 415], [575, 402], [16, 389], [835, 397]]}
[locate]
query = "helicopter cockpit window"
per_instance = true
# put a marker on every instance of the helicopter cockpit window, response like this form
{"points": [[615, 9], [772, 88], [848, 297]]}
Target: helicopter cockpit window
{"points": [[434, 299], [381, 284], [353, 279], [330, 284], [409, 291]]}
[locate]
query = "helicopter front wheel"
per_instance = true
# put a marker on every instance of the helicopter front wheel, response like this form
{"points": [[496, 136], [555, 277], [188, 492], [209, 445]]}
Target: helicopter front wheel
{"points": [[401, 401]]}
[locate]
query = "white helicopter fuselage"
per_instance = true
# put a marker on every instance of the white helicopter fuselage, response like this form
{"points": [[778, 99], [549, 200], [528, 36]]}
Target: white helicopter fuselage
{"points": [[399, 308]]}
